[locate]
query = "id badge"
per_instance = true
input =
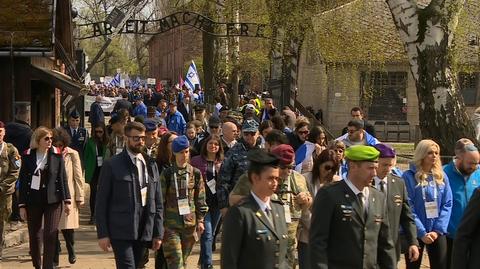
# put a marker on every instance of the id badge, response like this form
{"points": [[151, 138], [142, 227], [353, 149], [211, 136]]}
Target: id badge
{"points": [[118, 151], [288, 216], [431, 210], [211, 185], [35, 185], [99, 161], [183, 207], [81, 138], [143, 192]]}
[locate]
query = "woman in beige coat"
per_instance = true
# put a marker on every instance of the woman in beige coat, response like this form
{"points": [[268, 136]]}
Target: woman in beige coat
{"points": [[75, 181]]}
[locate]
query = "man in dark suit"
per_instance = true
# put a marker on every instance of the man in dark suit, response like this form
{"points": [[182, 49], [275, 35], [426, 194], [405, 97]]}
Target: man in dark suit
{"points": [[129, 206], [185, 108], [349, 226], [466, 246], [96, 112], [78, 134], [398, 209], [255, 231]]}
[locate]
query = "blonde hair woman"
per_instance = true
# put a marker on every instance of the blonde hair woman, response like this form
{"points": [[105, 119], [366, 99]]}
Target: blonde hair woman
{"points": [[43, 194], [430, 198]]}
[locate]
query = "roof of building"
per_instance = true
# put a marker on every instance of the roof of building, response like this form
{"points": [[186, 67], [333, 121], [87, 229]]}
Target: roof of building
{"points": [[363, 31]]}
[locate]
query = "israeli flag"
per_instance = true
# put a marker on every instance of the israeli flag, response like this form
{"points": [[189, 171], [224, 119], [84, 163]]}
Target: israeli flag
{"points": [[116, 80], [192, 77]]}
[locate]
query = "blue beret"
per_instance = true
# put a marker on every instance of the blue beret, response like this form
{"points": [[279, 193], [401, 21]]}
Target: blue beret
{"points": [[385, 151], [362, 153], [250, 126], [180, 143], [150, 125]]}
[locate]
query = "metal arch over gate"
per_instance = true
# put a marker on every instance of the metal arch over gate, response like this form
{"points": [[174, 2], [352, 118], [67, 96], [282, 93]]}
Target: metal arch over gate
{"points": [[153, 27]]}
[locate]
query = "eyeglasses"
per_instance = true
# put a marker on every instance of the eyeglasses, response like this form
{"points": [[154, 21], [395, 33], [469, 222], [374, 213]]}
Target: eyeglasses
{"points": [[48, 138], [137, 138], [328, 167], [304, 132]]}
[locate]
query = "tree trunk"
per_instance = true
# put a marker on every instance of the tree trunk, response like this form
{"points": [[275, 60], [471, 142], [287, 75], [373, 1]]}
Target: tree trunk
{"points": [[235, 78], [427, 35]]}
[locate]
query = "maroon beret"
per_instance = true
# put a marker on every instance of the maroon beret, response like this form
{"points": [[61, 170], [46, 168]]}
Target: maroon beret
{"points": [[385, 151], [2, 125], [284, 153]]}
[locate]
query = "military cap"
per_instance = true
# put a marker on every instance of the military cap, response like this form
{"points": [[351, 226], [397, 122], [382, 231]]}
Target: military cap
{"points": [[139, 118], [74, 114], [2, 125], [261, 157], [284, 153], [385, 151], [137, 98], [180, 143], [362, 153], [250, 126], [214, 121], [150, 125]]}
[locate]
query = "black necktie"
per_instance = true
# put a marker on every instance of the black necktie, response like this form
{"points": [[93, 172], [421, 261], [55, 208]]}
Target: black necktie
{"points": [[74, 132], [382, 187], [362, 204], [268, 213]]}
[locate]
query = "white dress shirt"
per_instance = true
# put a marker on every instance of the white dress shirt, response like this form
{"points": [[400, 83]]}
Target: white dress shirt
{"points": [[263, 205], [356, 191], [377, 183], [137, 160]]}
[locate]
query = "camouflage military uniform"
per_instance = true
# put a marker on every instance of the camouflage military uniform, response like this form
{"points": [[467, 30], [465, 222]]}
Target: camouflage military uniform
{"points": [[179, 236], [115, 146], [234, 165], [153, 150], [287, 189], [9, 170]]}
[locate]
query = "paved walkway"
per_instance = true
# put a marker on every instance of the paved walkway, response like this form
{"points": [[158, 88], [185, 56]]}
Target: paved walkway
{"points": [[89, 255]]}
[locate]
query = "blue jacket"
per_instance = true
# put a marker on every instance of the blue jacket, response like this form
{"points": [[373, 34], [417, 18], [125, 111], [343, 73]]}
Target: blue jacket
{"points": [[176, 123], [140, 110], [415, 199], [462, 190], [96, 114]]}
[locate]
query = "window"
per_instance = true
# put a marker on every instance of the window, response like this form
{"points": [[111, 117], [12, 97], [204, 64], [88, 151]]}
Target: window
{"points": [[384, 95], [468, 84]]}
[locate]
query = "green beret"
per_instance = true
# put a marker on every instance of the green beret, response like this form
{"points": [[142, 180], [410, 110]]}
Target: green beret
{"points": [[362, 153]]}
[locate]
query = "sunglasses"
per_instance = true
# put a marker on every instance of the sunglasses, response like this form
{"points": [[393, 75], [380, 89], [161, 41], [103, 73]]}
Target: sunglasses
{"points": [[48, 138], [304, 132], [137, 138], [290, 167]]}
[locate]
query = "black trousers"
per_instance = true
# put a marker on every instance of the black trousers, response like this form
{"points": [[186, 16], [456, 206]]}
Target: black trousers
{"points": [[15, 216], [50, 214], [128, 253], [93, 192], [437, 254], [160, 261], [69, 236], [449, 251]]}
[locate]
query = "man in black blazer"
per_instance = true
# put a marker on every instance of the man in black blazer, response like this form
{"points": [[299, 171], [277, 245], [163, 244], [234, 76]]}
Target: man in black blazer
{"points": [[255, 231], [398, 209], [466, 247], [349, 226], [185, 108], [129, 207], [78, 134]]}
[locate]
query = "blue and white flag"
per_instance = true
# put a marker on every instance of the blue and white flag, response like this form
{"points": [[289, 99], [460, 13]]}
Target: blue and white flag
{"points": [[304, 153], [136, 83], [116, 80], [192, 77]]}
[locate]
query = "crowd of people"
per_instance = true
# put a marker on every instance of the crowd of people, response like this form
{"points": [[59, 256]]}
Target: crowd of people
{"points": [[164, 173]]}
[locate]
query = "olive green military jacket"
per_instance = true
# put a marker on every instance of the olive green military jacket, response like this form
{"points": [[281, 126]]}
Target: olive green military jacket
{"points": [[340, 235], [9, 168], [250, 241]]}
